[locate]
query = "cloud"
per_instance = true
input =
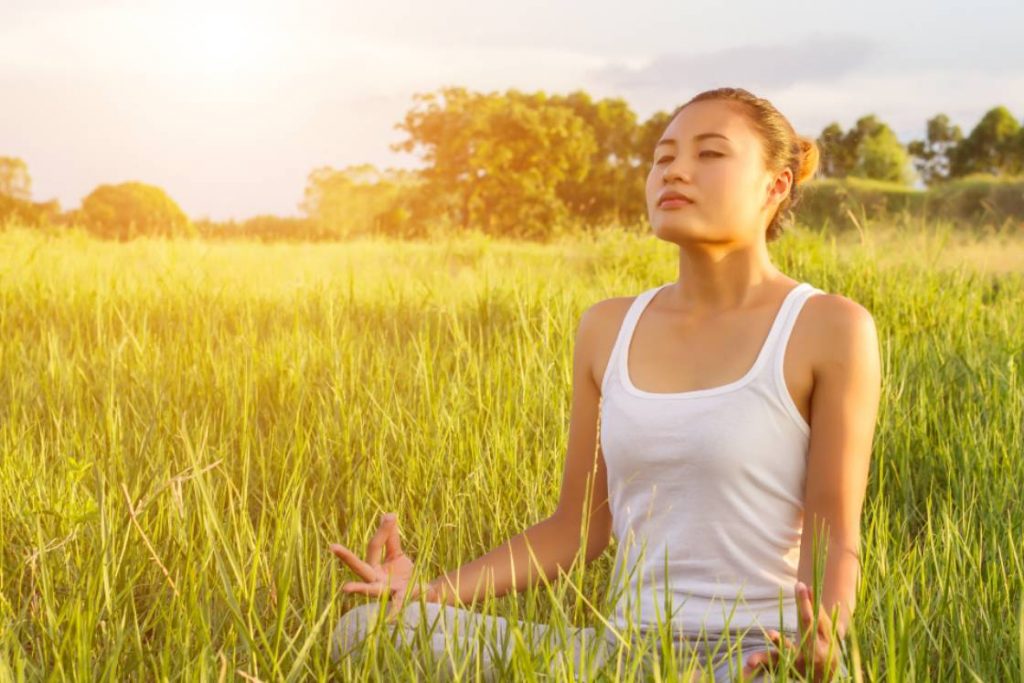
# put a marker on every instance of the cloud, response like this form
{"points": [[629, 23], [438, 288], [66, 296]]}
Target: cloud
{"points": [[816, 59]]}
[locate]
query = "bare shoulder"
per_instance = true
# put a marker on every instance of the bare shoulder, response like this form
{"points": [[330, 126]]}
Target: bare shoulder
{"points": [[841, 330], [599, 326]]}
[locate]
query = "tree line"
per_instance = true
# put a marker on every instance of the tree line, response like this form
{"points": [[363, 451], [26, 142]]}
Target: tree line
{"points": [[518, 164]]}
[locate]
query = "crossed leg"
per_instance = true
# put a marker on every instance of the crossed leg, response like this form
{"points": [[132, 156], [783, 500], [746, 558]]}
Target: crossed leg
{"points": [[464, 640]]}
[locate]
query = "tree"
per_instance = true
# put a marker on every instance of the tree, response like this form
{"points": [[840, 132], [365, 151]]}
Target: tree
{"points": [[16, 203], [838, 151], [132, 209], [881, 156], [1018, 149], [496, 161], [991, 147], [15, 181], [608, 191], [646, 137], [932, 155], [868, 150], [358, 199]]}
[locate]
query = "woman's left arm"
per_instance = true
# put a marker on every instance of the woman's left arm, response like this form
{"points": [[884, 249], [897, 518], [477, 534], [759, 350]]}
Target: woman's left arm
{"points": [[844, 409]]}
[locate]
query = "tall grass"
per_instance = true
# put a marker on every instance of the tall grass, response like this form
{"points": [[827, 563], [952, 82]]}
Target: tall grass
{"points": [[185, 427]]}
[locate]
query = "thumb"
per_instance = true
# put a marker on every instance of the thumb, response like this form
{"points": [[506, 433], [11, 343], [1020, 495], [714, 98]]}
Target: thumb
{"points": [[755, 662], [395, 604]]}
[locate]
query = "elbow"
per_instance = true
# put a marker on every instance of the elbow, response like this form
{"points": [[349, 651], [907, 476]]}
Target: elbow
{"points": [[597, 540], [595, 550]]}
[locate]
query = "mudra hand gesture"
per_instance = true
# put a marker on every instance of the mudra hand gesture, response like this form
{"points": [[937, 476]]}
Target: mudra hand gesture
{"points": [[818, 647], [394, 574]]}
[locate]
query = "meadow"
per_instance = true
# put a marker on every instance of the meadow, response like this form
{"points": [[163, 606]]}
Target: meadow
{"points": [[185, 426]]}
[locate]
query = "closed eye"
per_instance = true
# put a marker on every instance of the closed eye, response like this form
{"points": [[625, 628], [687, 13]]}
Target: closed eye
{"points": [[667, 157]]}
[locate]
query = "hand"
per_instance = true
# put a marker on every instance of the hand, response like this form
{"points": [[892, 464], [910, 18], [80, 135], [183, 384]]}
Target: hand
{"points": [[392, 576], [819, 647]]}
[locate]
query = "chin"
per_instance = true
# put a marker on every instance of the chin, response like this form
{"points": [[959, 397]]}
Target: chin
{"points": [[675, 231]]}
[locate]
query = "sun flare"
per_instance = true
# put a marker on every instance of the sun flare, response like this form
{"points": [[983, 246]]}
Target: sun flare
{"points": [[220, 43]]}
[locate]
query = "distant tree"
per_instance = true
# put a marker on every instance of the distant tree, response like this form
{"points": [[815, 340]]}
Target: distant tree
{"points": [[263, 227], [881, 156], [28, 213], [1018, 150], [358, 199], [15, 181], [838, 151], [608, 191], [646, 136], [130, 210], [992, 146], [496, 161], [16, 203], [931, 156], [870, 149]]}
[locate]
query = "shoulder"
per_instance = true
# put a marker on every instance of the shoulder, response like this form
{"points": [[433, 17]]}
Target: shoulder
{"points": [[601, 321], [607, 311], [598, 328], [841, 330]]}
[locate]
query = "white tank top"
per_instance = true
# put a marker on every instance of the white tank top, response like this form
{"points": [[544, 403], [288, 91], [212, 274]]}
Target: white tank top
{"points": [[706, 491]]}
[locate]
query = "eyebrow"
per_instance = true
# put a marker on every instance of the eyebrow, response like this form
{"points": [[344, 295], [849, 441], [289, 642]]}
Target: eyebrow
{"points": [[700, 136]]}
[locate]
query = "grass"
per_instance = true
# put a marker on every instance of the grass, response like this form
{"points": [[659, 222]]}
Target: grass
{"points": [[185, 426]]}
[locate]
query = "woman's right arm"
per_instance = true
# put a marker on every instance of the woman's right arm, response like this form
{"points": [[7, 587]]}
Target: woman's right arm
{"points": [[554, 543]]}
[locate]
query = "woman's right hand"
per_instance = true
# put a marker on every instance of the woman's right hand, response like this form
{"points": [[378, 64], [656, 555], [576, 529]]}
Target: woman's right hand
{"points": [[392, 575]]}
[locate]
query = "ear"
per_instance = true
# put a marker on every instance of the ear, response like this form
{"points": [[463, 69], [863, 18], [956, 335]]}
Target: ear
{"points": [[779, 185]]}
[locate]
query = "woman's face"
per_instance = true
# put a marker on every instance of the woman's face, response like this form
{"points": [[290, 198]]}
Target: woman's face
{"points": [[733, 194]]}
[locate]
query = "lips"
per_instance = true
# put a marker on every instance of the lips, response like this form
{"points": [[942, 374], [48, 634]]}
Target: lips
{"points": [[670, 195]]}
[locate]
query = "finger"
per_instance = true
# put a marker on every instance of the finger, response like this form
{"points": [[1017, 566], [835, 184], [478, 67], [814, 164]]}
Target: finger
{"points": [[804, 607], [372, 589], [765, 658], [373, 548], [776, 638], [761, 660], [393, 543], [394, 605], [352, 560], [824, 620], [782, 642]]}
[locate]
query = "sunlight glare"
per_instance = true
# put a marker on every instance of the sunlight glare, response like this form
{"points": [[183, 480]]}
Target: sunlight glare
{"points": [[224, 44]]}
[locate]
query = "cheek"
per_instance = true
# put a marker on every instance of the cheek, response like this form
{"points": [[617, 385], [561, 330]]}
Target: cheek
{"points": [[652, 177], [733, 184], [653, 185]]}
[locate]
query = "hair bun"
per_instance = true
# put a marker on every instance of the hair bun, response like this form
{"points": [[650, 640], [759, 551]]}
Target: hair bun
{"points": [[809, 157]]}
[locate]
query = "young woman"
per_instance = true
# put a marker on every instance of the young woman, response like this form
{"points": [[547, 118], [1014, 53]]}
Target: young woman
{"points": [[737, 411]]}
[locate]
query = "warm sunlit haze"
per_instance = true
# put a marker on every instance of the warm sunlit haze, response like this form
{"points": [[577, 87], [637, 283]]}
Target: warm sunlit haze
{"points": [[269, 271]]}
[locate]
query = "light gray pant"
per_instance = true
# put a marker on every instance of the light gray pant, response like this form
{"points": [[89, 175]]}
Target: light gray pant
{"points": [[451, 635]]}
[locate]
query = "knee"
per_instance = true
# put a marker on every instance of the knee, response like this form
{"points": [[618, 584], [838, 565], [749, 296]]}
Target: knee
{"points": [[352, 628]]}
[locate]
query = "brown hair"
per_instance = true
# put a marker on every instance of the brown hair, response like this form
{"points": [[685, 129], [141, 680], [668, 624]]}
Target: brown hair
{"points": [[783, 146]]}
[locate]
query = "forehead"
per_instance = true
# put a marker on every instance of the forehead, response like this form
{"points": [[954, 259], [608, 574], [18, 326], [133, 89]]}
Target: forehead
{"points": [[711, 116]]}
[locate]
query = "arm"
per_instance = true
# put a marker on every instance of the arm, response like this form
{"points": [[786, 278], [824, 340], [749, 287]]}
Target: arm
{"points": [[553, 544], [844, 407]]}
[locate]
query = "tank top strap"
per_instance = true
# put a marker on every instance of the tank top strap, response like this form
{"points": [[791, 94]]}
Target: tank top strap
{"points": [[626, 332], [775, 345], [787, 317]]}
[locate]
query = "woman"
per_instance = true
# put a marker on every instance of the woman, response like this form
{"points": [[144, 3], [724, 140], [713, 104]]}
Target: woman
{"points": [[737, 411]]}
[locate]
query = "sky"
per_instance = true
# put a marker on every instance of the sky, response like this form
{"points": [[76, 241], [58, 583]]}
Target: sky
{"points": [[229, 106]]}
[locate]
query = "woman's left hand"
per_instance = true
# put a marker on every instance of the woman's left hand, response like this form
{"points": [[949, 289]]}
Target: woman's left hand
{"points": [[820, 648]]}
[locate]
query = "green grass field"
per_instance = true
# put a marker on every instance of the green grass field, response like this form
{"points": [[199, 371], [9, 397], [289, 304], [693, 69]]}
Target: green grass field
{"points": [[185, 427]]}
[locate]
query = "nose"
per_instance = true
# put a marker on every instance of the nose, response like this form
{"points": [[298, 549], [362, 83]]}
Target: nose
{"points": [[676, 170]]}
